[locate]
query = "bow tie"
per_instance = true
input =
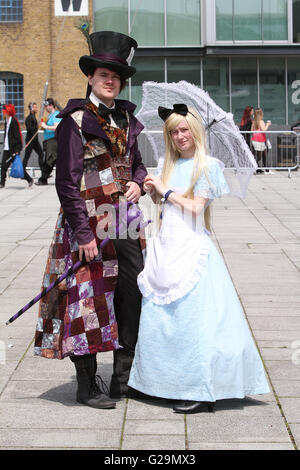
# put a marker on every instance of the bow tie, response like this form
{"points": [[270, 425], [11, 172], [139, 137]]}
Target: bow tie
{"points": [[117, 115]]}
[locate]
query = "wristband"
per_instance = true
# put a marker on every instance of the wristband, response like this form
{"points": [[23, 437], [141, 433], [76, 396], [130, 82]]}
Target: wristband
{"points": [[165, 197]]}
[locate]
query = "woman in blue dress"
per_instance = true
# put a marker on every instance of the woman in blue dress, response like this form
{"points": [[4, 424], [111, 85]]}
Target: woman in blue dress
{"points": [[194, 343]]}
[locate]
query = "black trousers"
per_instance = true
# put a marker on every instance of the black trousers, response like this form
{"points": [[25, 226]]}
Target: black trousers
{"points": [[261, 156], [34, 145], [50, 148], [127, 303], [7, 160]]}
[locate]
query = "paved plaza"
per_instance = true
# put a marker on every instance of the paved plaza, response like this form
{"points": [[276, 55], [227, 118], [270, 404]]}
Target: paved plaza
{"points": [[259, 238]]}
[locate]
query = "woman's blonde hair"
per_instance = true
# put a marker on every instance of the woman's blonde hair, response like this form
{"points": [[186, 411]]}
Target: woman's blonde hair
{"points": [[258, 116], [172, 153]]}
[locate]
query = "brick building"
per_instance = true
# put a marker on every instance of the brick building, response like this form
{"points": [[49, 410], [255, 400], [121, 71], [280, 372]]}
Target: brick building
{"points": [[38, 46]]}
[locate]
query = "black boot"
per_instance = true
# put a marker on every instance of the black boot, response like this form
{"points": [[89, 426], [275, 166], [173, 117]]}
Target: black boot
{"points": [[88, 391]]}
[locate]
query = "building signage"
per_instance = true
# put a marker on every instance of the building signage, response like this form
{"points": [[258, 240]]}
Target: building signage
{"points": [[71, 7]]}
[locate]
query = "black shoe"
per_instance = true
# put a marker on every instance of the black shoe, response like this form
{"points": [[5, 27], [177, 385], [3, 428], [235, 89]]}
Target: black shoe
{"points": [[189, 407], [41, 183], [30, 183], [2, 185], [259, 171]]}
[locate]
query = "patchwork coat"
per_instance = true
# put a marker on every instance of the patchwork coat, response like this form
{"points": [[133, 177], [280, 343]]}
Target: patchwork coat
{"points": [[95, 161]]}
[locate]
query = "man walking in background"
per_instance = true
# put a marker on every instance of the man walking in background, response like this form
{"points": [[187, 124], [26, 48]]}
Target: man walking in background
{"points": [[32, 141]]}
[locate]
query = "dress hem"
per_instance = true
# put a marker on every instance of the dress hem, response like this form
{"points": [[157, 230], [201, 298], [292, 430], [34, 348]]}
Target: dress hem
{"points": [[212, 398]]}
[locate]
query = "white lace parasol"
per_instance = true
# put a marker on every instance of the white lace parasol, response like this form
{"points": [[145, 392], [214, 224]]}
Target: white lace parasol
{"points": [[223, 138]]}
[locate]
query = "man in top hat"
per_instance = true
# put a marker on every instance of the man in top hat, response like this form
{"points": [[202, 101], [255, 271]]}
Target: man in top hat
{"points": [[98, 163]]}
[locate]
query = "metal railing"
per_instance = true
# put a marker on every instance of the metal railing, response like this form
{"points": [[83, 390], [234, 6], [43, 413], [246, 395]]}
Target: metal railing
{"points": [[282, 150], [283, 154]]}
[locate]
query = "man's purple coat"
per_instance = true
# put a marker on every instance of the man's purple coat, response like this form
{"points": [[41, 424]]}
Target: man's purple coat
{"points": [[69, 165]]}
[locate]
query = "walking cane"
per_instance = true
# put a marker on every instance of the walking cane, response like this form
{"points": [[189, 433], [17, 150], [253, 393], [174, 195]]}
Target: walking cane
{"points": [[70, 271]]}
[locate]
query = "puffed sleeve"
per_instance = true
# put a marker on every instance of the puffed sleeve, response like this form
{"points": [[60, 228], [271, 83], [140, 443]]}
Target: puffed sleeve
{"points": [[213, 184]]}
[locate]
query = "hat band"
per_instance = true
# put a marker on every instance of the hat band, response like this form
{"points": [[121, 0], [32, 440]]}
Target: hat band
{"points": [[110, 57]]}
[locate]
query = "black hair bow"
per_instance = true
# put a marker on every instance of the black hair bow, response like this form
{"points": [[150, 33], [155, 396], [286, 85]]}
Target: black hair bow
{"points": [[164, 113]]}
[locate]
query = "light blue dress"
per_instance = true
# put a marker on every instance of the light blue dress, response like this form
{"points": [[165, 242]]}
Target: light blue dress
{"points": [[194, 342]]}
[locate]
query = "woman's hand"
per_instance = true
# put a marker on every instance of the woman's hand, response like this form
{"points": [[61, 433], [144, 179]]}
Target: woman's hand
{"points": [[89, 250], [148, 186], [154, 182]]}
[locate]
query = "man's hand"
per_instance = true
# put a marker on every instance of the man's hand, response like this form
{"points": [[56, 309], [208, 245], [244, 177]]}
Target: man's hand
{"points": [[89, 250], [133, 193]]}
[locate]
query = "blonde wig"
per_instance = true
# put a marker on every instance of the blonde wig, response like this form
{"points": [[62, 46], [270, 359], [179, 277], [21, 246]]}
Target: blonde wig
{"points": [[258, 116], [172, 153]]}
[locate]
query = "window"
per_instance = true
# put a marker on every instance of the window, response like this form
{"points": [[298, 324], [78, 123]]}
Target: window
{"points": [[243, 85], [216, 80], [147, 22], [184, 68], [296, 20], [224, 20], [153, 24], [11, 11], [183, 23], [258, 20], [11, 91], [272, 88], [275, 18], [111, 15], [247, 20], [148, 69]]}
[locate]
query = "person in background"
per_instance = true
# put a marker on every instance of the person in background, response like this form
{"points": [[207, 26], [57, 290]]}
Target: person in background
{"points": [[32, 141], [13, 140], [259, 139], [246, 123], [50, 142]]}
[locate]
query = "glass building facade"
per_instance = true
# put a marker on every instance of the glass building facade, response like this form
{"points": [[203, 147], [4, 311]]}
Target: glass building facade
{"points": [[241, 53], [265, 20]]}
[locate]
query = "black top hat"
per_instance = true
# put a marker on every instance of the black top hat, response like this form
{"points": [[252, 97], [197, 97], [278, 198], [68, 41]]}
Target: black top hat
{"points": [[110, 50]]}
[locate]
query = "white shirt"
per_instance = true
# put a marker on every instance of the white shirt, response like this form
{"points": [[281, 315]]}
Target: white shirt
{"points": [[6, 144], [96, 101]]}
